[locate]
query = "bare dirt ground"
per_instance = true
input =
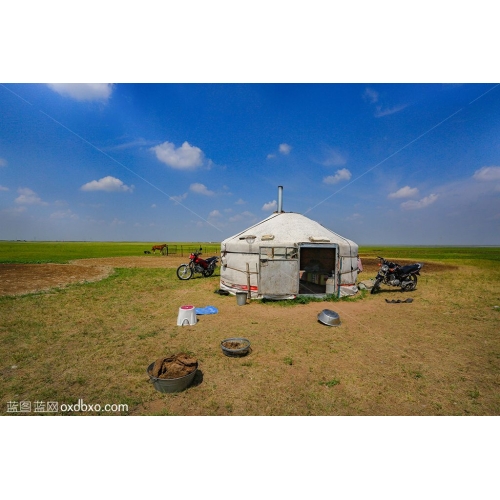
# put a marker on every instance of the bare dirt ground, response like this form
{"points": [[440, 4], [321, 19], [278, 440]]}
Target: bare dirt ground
{"points": [[149, 261], [19, 279]]}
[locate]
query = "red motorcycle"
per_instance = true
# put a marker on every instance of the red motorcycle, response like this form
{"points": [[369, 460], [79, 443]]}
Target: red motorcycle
{"points": [[197, 265]]}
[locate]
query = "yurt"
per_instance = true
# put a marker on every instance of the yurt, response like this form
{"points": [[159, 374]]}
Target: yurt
{"points": [[287, 255]]}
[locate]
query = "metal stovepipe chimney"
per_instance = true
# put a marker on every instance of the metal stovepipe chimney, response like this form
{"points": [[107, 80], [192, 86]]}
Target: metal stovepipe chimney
{"points": [[280, 199]]}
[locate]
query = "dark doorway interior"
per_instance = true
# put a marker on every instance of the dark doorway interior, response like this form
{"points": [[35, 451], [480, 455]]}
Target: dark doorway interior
{"points": [[316, 264]]}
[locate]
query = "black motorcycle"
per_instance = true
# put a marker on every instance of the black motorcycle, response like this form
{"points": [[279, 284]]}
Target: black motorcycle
{"points": [[393, 274]]}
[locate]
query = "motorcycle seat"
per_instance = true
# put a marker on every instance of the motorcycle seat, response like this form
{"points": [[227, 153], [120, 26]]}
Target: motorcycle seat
{"points": [[409, 269]]}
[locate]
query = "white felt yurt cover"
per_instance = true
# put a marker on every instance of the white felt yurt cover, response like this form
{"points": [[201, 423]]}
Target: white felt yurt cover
{"points": [[284, 236]]}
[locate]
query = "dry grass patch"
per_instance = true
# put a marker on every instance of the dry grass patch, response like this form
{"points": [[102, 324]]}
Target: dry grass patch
{"points": [[439, 355]]}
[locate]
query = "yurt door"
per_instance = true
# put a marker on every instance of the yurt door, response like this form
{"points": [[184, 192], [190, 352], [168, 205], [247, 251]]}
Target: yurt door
{"points": [[278, 271]]}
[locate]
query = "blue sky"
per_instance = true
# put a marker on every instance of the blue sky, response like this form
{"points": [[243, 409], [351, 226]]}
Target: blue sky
{"points": [[378, 163]]}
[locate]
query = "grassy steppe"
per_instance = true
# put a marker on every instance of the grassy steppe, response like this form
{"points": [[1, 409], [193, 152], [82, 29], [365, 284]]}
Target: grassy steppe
{"points": [[478, 256], [61, 252], [439, 355]]}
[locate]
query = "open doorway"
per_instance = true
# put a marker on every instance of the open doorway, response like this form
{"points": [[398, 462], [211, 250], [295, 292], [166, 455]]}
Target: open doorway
{"points": [[316, 264]]}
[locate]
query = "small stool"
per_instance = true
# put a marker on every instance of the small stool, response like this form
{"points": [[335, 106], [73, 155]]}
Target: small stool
{"points": [[187, 314]]}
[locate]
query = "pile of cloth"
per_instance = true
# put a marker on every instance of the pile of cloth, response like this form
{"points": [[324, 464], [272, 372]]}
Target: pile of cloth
{"points": [[175, 366]]}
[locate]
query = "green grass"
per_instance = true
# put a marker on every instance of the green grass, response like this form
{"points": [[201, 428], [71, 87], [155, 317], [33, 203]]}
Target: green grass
{"points": [[306, 299], [38, 252], [64, 251], [331, 383], [477, 256]]}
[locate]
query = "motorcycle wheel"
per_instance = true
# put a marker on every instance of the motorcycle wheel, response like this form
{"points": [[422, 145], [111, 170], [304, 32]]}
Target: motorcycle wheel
{"points": [[208, 272], [376, 287], [184, 272], [411, 286]]}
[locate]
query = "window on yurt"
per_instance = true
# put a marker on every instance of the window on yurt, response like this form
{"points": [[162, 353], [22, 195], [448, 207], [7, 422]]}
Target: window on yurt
{"points": [[278, 253]]}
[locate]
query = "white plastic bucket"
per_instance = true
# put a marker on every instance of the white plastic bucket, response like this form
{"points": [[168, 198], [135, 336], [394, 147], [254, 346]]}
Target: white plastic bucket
{"points": [[330, 286]]}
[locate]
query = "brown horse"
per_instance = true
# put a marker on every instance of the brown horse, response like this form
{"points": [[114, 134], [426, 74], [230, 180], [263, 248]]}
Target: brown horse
{"points": [[158, 247]]}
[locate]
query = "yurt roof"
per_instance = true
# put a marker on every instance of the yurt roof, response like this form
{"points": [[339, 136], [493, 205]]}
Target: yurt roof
{"points": [[284, 229]]}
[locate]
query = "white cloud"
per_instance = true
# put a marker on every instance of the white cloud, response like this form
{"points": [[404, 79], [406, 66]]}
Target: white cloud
{"points": [[355, 217], [3, 162], [240, 202], [136, 143], [404, 192], [416, 205], [186, 157], [28, 197], [380, 111], [214, 213], [107, 183], [153, 205], [200, 189], [14, 210], [370, 95], [179, 198], [84, 91], [270, 206], [341, 175], [242, 216], [487, 174], [64, 214], [334, 159], [269, 156], [285, 149], [3, 188]]}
